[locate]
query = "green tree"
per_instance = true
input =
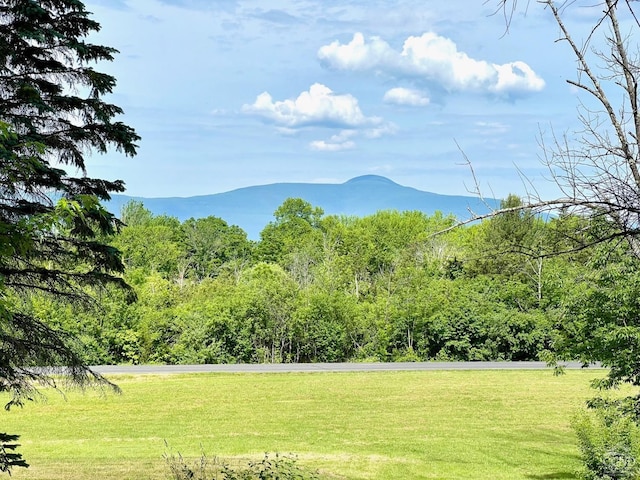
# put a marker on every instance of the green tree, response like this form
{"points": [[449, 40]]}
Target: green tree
{"points": [[324, 327], [211, 244], [599, 318], [134, 213], [271, 299], [292, 238], [149, 243], [597, 169], [151, 330], [152, 243], [51, 113]]}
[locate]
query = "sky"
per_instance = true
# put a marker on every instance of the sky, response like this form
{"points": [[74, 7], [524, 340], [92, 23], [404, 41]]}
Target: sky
{"points": [[233, 93]]}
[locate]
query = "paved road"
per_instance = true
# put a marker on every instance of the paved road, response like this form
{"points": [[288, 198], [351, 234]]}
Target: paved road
{"points": [[321, 367]]}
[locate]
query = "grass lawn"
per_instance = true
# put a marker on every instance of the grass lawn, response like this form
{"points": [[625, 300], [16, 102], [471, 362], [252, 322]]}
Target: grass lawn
{"points": [[384, 425]]}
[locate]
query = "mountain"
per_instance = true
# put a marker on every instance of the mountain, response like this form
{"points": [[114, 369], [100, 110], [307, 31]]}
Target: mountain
{"points": [[251, 208]]}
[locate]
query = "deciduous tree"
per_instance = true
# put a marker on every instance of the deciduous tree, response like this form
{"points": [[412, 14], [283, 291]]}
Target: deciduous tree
{"points": [[597, 169]]}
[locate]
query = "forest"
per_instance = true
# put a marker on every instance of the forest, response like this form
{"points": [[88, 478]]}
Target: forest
{"points": [[394, 286]]}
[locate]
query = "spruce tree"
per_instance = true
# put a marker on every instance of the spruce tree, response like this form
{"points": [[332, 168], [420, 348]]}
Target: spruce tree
{"points": [[52, 115]]}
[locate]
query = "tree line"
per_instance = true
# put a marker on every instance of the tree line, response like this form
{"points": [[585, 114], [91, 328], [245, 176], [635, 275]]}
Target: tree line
{"points": [[393, 286]]}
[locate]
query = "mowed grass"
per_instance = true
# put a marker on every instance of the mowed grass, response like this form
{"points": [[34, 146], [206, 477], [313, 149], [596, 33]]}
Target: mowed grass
{"points": [[381, 425]]}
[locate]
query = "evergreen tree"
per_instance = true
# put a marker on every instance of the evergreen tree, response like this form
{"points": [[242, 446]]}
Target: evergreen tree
{"points": [[51, 221]]}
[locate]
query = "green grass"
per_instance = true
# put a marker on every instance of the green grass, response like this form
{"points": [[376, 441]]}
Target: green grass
{"points": [[384, 425]]}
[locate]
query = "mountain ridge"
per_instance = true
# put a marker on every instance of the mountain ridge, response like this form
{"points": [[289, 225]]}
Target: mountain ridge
{"points": [[251, 208]]}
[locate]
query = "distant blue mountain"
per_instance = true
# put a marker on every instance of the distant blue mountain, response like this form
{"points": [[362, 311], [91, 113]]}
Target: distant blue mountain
{"points": [[251, 208]]}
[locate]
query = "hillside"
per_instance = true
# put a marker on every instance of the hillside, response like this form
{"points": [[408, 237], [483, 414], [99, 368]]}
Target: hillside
{"points": [[252, 208]]}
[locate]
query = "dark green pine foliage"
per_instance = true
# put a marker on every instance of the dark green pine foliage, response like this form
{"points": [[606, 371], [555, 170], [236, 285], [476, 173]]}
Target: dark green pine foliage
{"points": [[9, 458], [51, 115]]}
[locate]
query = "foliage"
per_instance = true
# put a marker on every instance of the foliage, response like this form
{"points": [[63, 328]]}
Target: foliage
{"points": [[598, 320], [294, 231], [9, 458], [597, 170], [609, 441], [52, 224], [154, 245], [380, 287], [275, 467], [212, 244]]}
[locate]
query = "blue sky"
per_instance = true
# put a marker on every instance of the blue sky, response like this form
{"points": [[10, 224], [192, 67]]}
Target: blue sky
{"points": [[228, 94]]}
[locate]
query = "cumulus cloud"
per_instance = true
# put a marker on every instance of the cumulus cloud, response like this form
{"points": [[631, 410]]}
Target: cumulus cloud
{"points": [[432, 58], [358, 54], [319, 106], [406, 96]]}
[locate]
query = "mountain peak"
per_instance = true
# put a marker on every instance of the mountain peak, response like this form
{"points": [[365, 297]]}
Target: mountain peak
{"points": [[370, 179]]}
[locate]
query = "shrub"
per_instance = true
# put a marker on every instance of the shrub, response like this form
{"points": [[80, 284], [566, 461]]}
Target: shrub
{"points": [[280, 467], [609, 440]]}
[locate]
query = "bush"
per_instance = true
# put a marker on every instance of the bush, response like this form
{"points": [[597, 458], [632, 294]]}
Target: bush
{"points": [[609, 440], [280, 467]]}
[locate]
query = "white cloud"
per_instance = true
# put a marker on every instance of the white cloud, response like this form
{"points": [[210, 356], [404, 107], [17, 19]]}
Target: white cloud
{"points": [[379, 131], [432, 58], [340, 141], [517, 76], [344, 139], [358, 54], [319, 106], [406, 96]]}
